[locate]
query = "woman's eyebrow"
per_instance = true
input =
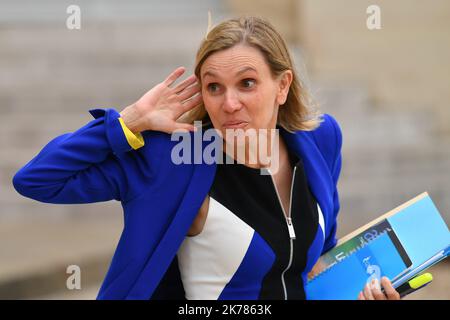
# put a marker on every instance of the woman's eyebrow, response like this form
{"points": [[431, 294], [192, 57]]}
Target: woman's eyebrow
{"points": [[245, 69]]}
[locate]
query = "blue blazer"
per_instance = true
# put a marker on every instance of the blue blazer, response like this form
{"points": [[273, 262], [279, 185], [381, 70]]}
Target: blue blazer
{"points": [[159, 198]]}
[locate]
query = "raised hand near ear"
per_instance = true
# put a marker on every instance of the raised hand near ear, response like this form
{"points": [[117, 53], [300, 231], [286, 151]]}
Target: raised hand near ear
{"points": [[161, 106]]}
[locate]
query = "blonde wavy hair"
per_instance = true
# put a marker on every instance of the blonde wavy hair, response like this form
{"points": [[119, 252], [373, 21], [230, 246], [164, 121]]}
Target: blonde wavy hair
{"points": [[298, 112]]}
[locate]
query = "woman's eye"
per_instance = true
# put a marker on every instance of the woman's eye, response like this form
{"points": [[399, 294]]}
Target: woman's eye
{"points": [[248, 83], [212, 87]]}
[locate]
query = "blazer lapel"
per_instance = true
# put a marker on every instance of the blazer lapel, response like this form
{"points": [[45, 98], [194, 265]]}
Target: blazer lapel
{"points": [[317, 172]]}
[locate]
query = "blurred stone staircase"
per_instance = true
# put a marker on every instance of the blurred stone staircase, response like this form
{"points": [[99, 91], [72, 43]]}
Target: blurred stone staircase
{"points": [[389, 156], [50, 77]]}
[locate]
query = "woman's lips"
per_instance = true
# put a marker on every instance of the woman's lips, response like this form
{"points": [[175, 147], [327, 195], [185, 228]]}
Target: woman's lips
{"points": [[235, 124]]}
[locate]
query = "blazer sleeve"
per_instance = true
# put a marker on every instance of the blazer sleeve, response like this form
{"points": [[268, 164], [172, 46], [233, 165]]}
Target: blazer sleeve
{"points": [[331, 240], [84, 166]]}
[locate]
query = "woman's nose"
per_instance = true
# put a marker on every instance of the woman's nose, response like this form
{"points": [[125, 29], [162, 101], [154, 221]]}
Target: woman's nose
{"points": [[231, 102]]}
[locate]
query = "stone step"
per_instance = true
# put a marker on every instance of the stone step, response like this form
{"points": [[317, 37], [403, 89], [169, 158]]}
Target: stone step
{"points": [[53, 11], [9, 198], [119, 88], [146, 40], [347, 98], [393, 129], [364, 124], [72, 102], [403, 159], [39, 250], [78, 80], [373, 201]]}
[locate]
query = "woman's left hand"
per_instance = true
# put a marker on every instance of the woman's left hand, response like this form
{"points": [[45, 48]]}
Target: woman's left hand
{"points": [[372, 291]]}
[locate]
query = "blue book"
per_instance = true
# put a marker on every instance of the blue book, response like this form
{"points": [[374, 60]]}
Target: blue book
{"points": [[400, 244]]}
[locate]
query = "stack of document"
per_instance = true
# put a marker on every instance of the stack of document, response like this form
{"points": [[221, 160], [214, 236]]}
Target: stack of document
{"points": [[399, 245]]}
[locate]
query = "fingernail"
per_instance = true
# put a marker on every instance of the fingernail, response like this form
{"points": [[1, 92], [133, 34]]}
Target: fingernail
{"points": [[376, 284]]}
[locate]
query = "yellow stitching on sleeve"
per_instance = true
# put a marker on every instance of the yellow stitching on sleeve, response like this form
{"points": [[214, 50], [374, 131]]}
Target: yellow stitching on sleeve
{"points": [[134, 139]]}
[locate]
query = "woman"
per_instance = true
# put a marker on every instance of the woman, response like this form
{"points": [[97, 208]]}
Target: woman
{"points": [[202, 230]]}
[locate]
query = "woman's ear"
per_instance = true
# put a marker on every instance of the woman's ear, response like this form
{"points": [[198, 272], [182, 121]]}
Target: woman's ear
{"points": [[283, 86]]}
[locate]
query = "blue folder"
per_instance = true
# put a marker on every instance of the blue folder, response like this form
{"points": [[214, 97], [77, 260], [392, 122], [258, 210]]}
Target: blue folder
{"points": [[347, 278], [423, 234]]}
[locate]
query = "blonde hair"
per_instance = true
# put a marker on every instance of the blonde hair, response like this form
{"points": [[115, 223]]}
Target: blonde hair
{"points": [[298, 112]]}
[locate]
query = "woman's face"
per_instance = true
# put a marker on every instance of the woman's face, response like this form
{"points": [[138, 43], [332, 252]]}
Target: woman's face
{"points": [[239, 91]]}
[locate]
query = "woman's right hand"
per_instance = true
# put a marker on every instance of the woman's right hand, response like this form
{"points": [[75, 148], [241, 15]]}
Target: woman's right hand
{"points": [[160, 107]]}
